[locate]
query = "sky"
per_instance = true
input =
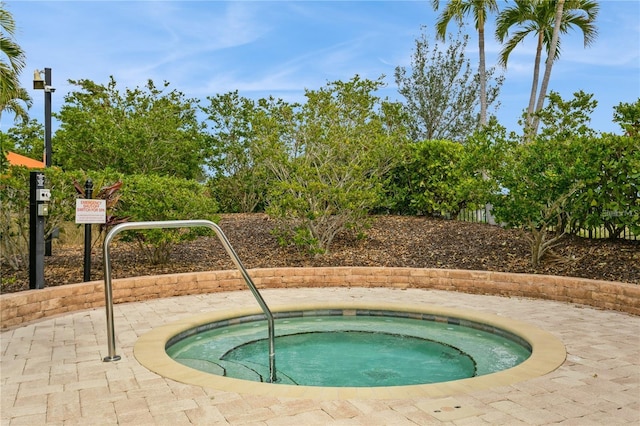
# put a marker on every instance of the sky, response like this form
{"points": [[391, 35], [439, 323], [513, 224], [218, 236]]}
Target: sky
{"points": [[281, 48]]}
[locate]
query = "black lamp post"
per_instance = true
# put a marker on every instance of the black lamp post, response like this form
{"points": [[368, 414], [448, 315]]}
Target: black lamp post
{"points": [[40, 84]]}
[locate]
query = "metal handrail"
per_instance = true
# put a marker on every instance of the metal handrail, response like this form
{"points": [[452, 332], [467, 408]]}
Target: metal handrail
{"points": [[108, 293]]}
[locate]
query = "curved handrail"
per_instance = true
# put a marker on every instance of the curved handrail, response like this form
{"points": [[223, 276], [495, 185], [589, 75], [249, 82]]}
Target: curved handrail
{"points": [[108, 292]]}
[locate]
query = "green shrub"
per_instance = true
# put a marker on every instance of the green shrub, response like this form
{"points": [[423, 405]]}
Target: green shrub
{"points": [[610, 198], [158, 198], [328, 169], [430, 181], [14, 219], [539, 180]]}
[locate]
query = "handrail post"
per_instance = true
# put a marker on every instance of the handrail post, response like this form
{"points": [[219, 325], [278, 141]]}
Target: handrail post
{"points": [[108, 299], [108, 292]]}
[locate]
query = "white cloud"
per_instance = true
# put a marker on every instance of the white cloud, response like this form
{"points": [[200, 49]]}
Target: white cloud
{"points": [[280, 48]]}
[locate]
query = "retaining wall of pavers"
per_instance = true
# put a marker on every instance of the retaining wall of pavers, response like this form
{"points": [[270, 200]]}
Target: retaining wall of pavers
{"points": [[26, 306]]}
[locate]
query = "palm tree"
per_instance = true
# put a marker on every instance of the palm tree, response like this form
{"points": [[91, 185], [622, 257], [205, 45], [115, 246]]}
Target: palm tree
{"points": [[17, 105], [538, 17], [457, 9], [12, 61], [553, 48]]}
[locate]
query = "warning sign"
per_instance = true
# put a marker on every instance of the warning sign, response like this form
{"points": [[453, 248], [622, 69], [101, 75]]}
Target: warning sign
{"points": [[91, 211]]}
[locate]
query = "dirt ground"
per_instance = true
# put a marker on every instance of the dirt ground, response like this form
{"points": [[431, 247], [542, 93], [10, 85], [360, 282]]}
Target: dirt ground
{"points": [[392, 241]]}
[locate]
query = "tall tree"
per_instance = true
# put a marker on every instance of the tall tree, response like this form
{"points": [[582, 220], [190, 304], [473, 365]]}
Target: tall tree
{"points": [[627, 115], [12, 62], [553, 48], [441, 91], [25, 138], [239, 177], [146, 130], [546, 20], [480, 9]]}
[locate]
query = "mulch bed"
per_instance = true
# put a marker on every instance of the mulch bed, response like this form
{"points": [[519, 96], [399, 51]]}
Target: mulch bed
{"points": [[392, 241]]}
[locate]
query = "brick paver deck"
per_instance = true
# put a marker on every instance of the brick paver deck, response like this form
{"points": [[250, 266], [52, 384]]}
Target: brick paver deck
{"points": [[52, 371]]}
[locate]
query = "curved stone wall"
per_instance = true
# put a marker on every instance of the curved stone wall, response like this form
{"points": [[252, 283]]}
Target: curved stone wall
{"points": [[26, 306]]}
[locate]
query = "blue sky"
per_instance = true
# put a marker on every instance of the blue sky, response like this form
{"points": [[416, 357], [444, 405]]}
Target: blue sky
{"points": [[281, 48]]}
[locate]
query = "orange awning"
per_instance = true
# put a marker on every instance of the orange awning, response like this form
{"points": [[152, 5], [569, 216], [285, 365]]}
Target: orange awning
{"points": [[20, 160]]}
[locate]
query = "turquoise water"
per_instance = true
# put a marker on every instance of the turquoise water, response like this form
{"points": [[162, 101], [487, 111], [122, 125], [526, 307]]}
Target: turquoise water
{"points": [[361, 351]]}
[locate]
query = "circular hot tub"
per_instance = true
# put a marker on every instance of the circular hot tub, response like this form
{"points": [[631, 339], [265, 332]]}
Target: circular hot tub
{"points": [[376, 351]]}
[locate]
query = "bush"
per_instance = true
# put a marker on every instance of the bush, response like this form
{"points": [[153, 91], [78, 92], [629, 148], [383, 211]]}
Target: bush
{"points": [[539, 181], [14, 198], [430, 181], [569, 177], [158, 198], [328, 169], [610, 197], [239, 178]]}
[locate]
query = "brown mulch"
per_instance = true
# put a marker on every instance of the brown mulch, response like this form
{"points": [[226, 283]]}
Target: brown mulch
{"points": [[392, 241]]}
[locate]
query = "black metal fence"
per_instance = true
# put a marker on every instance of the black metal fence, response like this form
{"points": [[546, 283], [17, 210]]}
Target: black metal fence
{"points": [[603, 233], [480, 216]]}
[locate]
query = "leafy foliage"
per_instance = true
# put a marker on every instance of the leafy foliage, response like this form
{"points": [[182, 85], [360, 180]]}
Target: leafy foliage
{"points": [[569, 178], [240, 178], [627, 115], [142, 197], [538, 180], [14, 198], [139, 131], [441, 177], [25, 138], [487, 151], [12, 61], [161, 198], [480, 10], [329, 161], [562, 120], [441, 91], [540, 19], [14, 226], [110, 194], [610, 197], [429, 180]]}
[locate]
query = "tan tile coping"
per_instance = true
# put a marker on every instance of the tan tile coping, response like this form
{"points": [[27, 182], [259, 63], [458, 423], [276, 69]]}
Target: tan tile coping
{"points": [[548, 353], [22, 307]]}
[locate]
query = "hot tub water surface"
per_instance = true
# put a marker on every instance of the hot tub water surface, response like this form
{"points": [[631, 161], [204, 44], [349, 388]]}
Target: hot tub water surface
{"points": [[354, 348]]}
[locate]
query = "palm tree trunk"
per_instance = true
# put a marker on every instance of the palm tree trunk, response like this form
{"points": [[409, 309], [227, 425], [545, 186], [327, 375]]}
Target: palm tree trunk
{"points": [[534, 89], [483, 76], [549, 64]]}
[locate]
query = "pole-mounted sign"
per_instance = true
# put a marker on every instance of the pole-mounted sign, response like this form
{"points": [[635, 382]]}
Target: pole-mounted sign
{"points": [[89, 211]]}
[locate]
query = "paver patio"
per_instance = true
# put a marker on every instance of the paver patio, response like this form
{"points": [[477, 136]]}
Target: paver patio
{"points": [[52, 371]]}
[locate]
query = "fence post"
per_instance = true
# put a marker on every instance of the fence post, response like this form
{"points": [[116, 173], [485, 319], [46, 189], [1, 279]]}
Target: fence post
{"points": [[88, 191]]}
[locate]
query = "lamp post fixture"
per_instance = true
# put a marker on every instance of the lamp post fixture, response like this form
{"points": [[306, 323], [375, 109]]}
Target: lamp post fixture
{"points": [[40, 84]]}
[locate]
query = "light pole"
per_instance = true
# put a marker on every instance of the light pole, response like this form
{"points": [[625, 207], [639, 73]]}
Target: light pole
{"points": [[40, 84]]}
